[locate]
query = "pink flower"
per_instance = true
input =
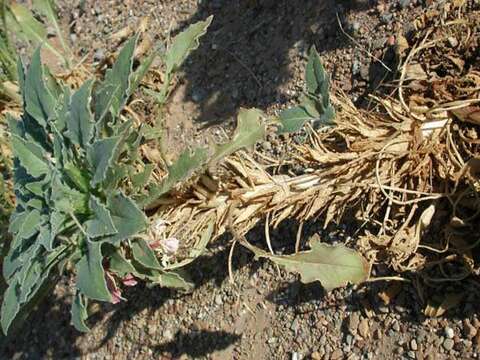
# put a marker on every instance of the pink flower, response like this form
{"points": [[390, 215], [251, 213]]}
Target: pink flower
{"points": [[129, 280], [170, 245]]}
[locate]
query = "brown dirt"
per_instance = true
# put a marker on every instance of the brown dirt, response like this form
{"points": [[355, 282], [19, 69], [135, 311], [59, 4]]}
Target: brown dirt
{"points": [[253, 56]]}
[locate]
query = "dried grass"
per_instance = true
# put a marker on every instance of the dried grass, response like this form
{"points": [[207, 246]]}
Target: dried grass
{"points": [[409, 171]]}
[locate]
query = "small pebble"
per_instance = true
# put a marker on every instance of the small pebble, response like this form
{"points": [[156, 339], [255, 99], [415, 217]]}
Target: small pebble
{"points": [[337, 354], [353, 322], [218, 299], [413, 345], [396, 326], [363, 328], [448, 344], [449, 333], [452, 41], [404, 3]]}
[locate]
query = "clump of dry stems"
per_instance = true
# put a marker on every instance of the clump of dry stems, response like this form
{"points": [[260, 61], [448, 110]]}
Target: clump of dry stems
{"points": [[409, 171]]}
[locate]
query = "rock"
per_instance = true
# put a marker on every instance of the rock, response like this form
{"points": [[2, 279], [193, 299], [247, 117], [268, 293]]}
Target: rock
{"points": [[449, 333], [316, 356], [356, 67], [476, 339], [337, 354], [386, 18], [353, 322], [396, 326], [452, 41], [349, 340], [469, 330], [404, 3], [448, 344], [218, 299], [295, 356], [413, 345], [363, 328], [99, 55], [411, 354]]}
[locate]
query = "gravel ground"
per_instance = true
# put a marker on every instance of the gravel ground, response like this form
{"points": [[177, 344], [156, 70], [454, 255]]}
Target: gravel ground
{"points": [[254, 55]]}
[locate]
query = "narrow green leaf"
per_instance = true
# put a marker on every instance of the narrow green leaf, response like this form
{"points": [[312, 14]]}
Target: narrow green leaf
{"points": [[40, 103], [80, 122], [178, 279], [90, 274], [180, 170], [79, 313], [10, 306], [143, 254], [29, 27], [47, 8], [250, 129], [184, 43], [101, 157], [21, 20], [101, 225], [315, 74], [128, 219], [113, 92], [140, 72], [333, 266]]}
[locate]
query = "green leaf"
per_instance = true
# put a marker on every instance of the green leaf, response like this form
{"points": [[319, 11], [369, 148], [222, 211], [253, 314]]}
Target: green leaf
{"points": [[184, 43], [180, 170], [119, 265], [333, 266], [78, 177], [102, 224], [10, 306], [250, 129], [113, 92], [31, 225], [80, 123], [47, 8], [128, 219], [40, 103], [140, 72], [144, 255], [315, 74], [293, 119], [90, 274], [30, 155], [79, 313], [21, 21], [314, 106], [67, 199], [141, 179], [101, 157], [178, 279]]}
